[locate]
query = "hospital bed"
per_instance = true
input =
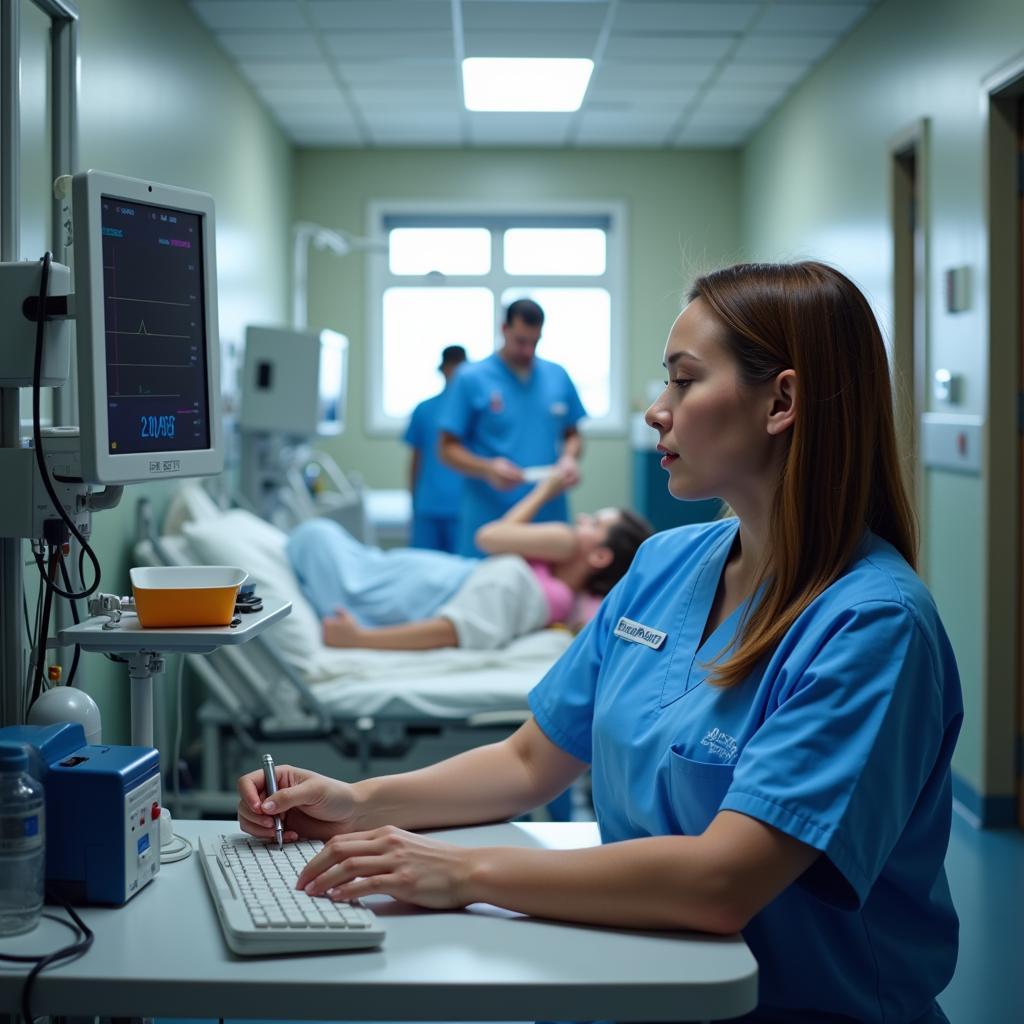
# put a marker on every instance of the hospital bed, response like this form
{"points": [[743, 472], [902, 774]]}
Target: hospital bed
{"points": [[347, 713]]}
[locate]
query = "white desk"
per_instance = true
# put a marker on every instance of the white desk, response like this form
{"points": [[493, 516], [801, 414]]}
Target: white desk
{"points": [[163, 955]]}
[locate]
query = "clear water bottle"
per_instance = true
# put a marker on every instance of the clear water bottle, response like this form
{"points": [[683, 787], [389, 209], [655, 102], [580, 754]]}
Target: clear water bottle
{"points": [[22, 843]]}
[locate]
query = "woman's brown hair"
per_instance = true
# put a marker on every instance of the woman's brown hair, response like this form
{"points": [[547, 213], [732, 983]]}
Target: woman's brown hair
{"points": [[624, 538], [841, 471]]}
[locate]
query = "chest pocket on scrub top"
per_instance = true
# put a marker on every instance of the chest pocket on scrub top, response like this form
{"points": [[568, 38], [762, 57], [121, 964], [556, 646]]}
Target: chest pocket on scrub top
{"points": [[698, 789]]}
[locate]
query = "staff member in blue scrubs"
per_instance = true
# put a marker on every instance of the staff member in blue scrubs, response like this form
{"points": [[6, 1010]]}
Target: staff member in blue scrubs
{"points": [[769, 703], [507, 412], [436, 489]]}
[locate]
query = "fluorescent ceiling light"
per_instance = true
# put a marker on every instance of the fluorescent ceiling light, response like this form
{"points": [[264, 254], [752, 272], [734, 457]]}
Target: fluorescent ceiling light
{"points": [[525, 83]]}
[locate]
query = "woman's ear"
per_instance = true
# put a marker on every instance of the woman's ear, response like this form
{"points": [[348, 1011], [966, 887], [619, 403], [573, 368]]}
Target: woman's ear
{"points": [[782, 414], [600, 558]]}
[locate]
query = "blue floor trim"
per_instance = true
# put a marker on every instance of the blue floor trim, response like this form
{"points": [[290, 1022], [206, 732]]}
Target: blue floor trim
{"points": [[988, 811]]}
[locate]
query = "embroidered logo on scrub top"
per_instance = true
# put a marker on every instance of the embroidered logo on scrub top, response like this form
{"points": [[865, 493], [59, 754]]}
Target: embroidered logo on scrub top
{"points": [[638, 633], [559, 409], [497, 405], [721, 744]]}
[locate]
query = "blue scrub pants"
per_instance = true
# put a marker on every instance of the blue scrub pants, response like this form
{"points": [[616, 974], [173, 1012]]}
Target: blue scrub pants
{"points": [[434, 533]]}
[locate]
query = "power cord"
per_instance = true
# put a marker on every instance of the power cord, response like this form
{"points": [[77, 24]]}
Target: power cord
{"points": [[83, 941], [37, 440]]}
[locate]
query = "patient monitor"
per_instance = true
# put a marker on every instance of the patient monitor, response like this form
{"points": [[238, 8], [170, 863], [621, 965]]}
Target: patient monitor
{"points": [[146, 313]]}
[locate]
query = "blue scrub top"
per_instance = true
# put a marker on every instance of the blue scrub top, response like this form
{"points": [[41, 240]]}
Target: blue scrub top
{"points": [[438, 487], [493, 412], [842, 739]]}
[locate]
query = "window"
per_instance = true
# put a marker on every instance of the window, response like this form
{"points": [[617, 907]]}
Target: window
{"points": [[450, 271]]}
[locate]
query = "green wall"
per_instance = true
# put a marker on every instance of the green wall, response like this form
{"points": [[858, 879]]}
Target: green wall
{"points": [[682, 217], [815, 182], [159, 100]]}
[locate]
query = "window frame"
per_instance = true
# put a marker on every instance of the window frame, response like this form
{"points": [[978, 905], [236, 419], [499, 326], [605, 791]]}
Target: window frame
{"points": [[609, 214]]}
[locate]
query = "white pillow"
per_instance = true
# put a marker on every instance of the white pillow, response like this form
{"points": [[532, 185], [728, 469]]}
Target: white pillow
{"points": [[239, 538], [190, 503]]}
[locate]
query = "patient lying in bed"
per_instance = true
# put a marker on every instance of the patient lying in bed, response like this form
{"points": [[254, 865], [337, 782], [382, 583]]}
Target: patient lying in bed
{"points": [[537, 574]]}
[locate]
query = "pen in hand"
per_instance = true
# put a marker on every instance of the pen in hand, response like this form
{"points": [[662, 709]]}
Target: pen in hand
{"points": [[271, 784]]}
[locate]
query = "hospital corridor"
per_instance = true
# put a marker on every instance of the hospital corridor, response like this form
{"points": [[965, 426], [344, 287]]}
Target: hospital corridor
{"points": [[512, 510]]}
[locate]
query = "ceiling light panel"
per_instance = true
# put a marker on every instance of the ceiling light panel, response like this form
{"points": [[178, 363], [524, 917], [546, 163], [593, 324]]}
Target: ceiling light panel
{"points": [[524, 84]]}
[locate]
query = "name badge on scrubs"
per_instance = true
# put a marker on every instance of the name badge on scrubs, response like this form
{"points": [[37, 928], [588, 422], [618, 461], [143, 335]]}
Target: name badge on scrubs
{"points": [[559, 409], [638, 633]]}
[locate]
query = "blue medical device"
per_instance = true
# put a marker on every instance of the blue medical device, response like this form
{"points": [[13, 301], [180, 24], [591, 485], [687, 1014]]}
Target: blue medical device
{"points": [[102, 812]]}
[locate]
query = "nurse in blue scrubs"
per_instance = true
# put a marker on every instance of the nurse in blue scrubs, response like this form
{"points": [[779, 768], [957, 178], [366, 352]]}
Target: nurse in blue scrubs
{"points": [[505, 414], [768, 703]]}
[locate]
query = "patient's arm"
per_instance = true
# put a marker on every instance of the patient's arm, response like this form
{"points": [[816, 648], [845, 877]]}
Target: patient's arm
{"points": [[515, 533], [342, 630]]}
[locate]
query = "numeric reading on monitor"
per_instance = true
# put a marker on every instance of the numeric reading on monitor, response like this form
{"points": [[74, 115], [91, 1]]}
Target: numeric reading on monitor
{"points": [[157, 390]]}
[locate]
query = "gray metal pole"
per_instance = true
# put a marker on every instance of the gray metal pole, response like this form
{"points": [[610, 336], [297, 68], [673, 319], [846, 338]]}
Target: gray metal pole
{"points": [[12, 679]]}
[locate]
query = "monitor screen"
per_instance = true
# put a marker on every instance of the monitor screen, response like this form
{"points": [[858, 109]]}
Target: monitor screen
{"points": [[155, 328]]}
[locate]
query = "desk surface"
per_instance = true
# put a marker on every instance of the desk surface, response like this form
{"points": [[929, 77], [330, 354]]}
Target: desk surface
{"points": [[163, 955]]}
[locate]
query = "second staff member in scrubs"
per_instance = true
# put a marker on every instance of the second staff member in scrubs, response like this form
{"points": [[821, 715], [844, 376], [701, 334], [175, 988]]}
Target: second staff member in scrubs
{"points": [[769, 703]]}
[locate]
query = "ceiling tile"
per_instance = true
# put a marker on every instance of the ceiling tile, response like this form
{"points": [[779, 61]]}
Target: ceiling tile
{"points": [[282, 45], [249, 14], [519, 129], [645, 16], [762, 74], [805, 17], [407, 72], [667, 48], [381, 15], [552, 15], [652, 76], [530, 44], [744, 98], [674, 97], [391, 44], [372, 98], [286, 72], [724, 118], [312, 98], [758, 48]]}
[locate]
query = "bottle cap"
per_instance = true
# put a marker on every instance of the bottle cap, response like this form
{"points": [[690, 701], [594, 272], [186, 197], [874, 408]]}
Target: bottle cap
{"points": [[13, 758]]}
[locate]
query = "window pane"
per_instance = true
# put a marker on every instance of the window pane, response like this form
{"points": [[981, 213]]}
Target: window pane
{"points": [[418, 324], [555, 251], [440, 250], [577, 334]]}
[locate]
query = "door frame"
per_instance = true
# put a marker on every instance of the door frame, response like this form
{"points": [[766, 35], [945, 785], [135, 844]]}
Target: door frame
{"points": [[1004, 598]]}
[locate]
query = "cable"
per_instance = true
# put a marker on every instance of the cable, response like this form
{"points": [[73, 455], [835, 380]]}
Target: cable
{"points": [[175, 773], [37, 440], [74, 615], [24, 608], [44, 632], [83, 941]]}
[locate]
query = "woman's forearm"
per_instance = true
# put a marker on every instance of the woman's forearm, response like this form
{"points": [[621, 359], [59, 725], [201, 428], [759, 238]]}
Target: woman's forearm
{"points": [[490, 783], [660, 882]]}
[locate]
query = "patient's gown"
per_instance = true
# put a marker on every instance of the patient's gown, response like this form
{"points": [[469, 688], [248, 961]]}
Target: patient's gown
{"points": [[380, 587]]}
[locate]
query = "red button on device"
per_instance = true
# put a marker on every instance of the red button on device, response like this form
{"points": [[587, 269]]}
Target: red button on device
{"points": [[154, 811]]}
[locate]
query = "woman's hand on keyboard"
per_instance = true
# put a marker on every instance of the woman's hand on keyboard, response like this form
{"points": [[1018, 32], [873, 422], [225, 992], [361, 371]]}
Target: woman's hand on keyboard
{"points": [[311, 806], [406, 866]]}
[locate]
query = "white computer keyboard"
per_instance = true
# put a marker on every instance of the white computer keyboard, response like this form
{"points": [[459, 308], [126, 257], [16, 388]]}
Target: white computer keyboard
{"points": [[260, 910]]}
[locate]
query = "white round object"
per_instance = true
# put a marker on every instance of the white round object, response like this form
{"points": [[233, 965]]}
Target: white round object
{"points": [[68, 704], [166, 827]]}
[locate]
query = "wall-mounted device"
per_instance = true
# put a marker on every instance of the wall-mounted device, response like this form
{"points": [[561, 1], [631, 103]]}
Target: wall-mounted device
{"points": [[294, 382], [102, 812], [946, 386]]}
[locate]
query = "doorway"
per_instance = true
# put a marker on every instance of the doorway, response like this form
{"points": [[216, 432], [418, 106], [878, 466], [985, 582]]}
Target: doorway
{"points": [[908, 174]]}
